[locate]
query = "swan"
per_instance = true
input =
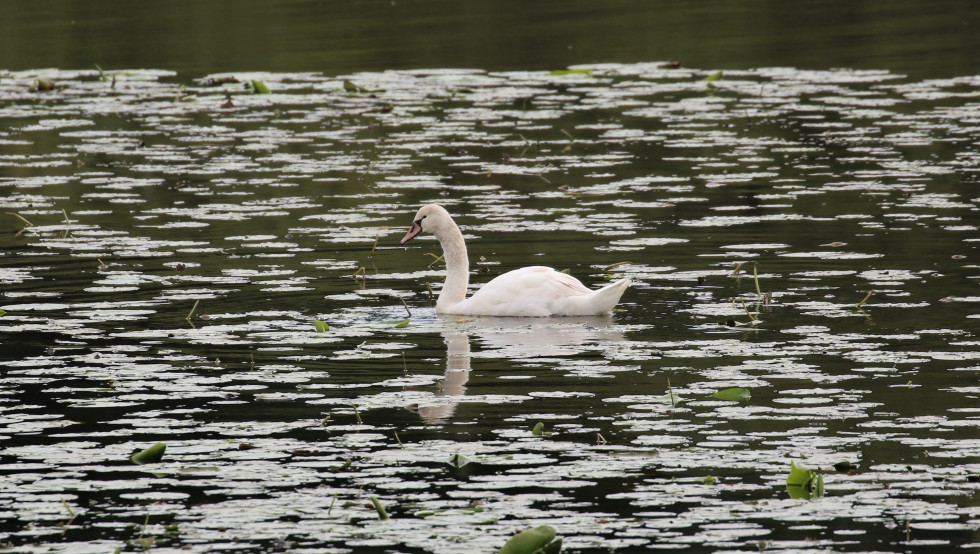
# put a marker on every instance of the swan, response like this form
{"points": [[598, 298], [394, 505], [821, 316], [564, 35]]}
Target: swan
{"points": [[534, 291]]}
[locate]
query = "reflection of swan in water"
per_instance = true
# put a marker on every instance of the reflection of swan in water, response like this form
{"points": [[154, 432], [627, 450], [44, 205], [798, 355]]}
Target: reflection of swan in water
{"points": [[509, 337]]}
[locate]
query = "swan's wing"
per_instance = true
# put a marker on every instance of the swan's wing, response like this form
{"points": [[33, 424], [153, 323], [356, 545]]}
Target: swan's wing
{"points": [[565, 283], [535, 280], [529, 291]]}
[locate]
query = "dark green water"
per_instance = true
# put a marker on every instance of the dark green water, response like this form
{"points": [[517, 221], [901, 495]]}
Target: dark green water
{"points": [[925, 39], [154, 192]]}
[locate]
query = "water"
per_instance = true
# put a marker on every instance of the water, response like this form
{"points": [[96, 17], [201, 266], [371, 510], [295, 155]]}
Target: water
{"points": [[934, 39], [756, 210], [153, 196]]}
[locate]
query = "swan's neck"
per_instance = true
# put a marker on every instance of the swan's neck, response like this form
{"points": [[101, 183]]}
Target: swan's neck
{"points": [[457, 269]]}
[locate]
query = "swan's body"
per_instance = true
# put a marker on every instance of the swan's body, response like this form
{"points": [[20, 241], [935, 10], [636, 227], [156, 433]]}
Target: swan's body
{"points": [[530, 291]]}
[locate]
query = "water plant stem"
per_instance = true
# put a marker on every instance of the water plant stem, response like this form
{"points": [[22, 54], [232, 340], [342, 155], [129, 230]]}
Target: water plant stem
{"points": [[755, 275], [437, 258], [363, 273], [406, 308], [22, 218], [191, 314], [70, 520], [356, 414], [146, 522], [870, 292], [382, 514]]}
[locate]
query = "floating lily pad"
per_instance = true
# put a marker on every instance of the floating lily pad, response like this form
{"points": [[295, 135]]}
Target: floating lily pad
{"points": [[735, 394], [803, 482], [586, 72], [458, 460], [151, 455], [540, 539], [259, 87]]}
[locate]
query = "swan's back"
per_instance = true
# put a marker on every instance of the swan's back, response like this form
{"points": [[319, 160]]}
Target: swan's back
{"points": [[540, 291]]}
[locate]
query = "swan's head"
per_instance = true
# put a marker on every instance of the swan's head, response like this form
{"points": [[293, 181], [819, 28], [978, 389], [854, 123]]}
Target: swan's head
{"points": [[433, 218]]}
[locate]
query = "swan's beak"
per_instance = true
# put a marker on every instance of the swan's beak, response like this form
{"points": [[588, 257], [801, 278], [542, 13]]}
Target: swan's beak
{"points": [[414, 230]]}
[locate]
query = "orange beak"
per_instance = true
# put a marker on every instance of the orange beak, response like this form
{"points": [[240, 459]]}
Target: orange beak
{"points": [[413, 231]]}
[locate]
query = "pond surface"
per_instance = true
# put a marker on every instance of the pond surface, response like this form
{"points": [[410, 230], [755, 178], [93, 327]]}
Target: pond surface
{"points": [[810, 236]]}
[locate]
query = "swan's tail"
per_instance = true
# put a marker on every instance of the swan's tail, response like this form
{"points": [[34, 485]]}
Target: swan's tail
{"points": [[606, 298]]}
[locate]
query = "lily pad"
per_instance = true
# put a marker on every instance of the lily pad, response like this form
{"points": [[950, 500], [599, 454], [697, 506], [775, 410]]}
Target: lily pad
{"points": [[803, 482], [587, 72], [735, 394], [458, 460], [259, 87], [151, 455], [540, 539]]}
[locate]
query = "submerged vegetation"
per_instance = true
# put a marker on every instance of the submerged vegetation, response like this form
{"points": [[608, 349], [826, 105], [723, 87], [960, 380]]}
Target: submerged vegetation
{"points": [[138, 199]]}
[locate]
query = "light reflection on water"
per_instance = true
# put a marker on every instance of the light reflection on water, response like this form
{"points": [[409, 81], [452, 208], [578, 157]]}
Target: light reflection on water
{"points": [[275, 210]]}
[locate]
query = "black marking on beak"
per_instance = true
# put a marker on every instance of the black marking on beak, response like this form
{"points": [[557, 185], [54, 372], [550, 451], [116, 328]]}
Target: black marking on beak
{"points": [[413, 231]]}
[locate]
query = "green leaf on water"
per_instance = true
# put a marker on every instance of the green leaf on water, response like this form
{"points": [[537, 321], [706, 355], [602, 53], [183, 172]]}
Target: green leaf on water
{"points": [[803, 482], [102, 74], [321, 326], [531, 541], [151, 455], [345, 466], [713, 77], [735, 395], [539, 431], [587, 72], [2, 313], [258, 87], [798, 475], [402, 323], [844, 465], [710, 480], [458, 460]]}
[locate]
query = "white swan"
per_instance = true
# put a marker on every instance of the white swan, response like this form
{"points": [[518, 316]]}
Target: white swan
{"points": [[530, 291]]}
